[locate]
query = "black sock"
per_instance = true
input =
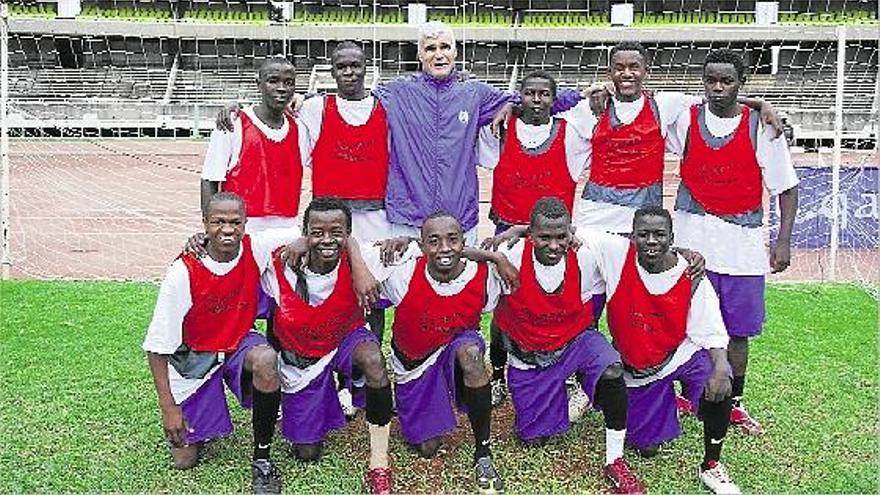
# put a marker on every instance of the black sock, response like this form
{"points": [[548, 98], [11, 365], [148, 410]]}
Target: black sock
{"points": [[738, 384], [264, 416], [379, 405], [716, 419], [611, 396], [376, 319], [479, 405], [497, 353]]}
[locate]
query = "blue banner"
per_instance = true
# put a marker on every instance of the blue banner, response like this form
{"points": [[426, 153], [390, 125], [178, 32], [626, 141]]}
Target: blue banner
{"points": [[859, 219]]}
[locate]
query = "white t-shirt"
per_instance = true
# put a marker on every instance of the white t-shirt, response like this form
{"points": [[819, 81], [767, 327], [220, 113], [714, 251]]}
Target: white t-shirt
{"points": [[670, 106], [550, 278], [532, 137], [397, 284], [223, 153], [705, 326], [728, 248], [165, 333]]}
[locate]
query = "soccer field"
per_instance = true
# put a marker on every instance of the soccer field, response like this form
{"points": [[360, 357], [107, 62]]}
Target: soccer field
{"points": [[78, 411]]}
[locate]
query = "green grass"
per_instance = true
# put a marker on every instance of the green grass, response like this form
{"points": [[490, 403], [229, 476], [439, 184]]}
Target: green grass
{"points": [[78, 410]]}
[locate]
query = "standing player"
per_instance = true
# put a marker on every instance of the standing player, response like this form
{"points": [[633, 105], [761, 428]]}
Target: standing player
{"points": [[260, 159], [727, 161], [626, 142], [667, 327], [201, 336], [539, 156], [348, 151], [548, 329], [319, 328], [437, 350]]}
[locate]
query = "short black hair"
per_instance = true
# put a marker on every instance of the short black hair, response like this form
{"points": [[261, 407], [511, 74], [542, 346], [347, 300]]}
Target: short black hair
{"points": [[225, 196], [549, 207], [270, 61], [629, 46], [440, 214], [327, 203], [727, 56], [652, 211], [540, 74], [345, 45]]}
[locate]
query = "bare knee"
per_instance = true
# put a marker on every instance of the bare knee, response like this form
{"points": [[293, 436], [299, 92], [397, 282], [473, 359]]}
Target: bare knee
{"points": [[307, 452], [262, 361], [470, 360], [185, 457], [612, 372], [428, 448], [368, 357]]}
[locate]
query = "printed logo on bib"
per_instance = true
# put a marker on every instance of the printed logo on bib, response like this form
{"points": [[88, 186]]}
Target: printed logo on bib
{"points": [[353, 152], [464, 117], [222, 303]]}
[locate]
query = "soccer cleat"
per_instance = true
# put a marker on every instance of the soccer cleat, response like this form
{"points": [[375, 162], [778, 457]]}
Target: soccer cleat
{"points": [[266, 477], [347, 406], [740, 417], [499, 392], [488, 479], [578, 403], [623, 479], [717, 479], [684, 406], [379, 481]]}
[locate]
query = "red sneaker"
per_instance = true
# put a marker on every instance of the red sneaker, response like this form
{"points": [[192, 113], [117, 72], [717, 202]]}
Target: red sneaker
{"points": [[379, 481], [740, 417], [624, 480], [684, 406]]}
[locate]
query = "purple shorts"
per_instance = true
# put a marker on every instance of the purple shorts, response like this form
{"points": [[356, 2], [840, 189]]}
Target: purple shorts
{"points": [[539, 395], [742, 302], [206, 411], [309, 414], [425, 404], [653, 417]]}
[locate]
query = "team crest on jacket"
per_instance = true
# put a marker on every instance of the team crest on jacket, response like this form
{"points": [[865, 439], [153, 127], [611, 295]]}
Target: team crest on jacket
{"points": [[464, 116]]}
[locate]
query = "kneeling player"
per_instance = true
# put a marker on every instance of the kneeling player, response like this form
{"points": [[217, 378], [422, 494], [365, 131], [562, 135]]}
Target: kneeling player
{"points": [[667, 327], [437, 348], [320, 329], [201, 336], [548, 329]]}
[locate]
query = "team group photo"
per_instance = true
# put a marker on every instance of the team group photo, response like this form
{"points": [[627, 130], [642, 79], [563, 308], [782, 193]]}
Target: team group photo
{"points": [[440, 247]]}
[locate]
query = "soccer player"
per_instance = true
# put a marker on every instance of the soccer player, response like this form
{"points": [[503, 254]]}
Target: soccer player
{"points": [[319, 328], [548, 328], [539, 156], [728, 159], [201, 336], [626, 141], [437, 350], [667, 327], [260, 160]]}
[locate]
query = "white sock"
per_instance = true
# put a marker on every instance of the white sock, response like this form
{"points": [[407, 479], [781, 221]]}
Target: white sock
{"points": [[379, 445], [613, 445]]}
